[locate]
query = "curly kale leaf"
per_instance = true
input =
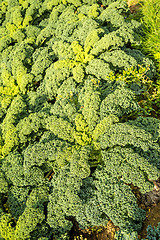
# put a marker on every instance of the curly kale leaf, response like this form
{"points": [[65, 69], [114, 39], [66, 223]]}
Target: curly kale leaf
{"points": [[153, 232], [63, 111], [92, 201]]}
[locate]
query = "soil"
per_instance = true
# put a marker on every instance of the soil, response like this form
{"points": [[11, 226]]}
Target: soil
{"points": [[150, 202], [152, 218], [95, 233], [133, 5]]}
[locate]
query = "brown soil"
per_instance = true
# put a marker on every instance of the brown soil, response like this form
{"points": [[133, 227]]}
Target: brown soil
{"points": [[152, 218], [96, 233], [133, 5], [150, 202]]}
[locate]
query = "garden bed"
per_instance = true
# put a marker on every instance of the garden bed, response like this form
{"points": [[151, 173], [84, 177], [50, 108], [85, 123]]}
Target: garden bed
{"points": [[79, 120]]}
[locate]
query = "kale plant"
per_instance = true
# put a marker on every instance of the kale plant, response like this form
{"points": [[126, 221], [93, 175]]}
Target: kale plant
{"points": [[153, 233], [69, 147]]}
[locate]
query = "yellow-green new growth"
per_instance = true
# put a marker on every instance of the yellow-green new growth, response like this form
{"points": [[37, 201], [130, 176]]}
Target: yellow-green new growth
{"points": [[11, 140], [75, 56], [26, 223], [23, 78], [3, 6], [18, 23], [78, 73], [102, 127], [9, 131], [93, 11], [82, 135], [80, 57], [8, 90], [132, 75], [24, 3], [53, 3], [6, 229]]}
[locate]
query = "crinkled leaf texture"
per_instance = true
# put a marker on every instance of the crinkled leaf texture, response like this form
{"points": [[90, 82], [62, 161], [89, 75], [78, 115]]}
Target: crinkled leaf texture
{"points": [[63, 114]]}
